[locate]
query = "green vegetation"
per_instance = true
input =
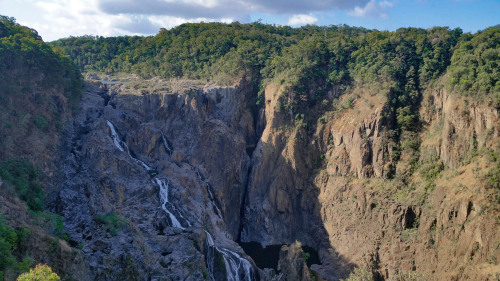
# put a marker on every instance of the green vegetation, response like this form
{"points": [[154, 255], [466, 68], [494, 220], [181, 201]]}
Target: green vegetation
{"points": [[190, 50], [111, 222], [41, 123], [10, 240], [430, 170], [301, 57], [51, 222], [475, 64], [493, 175], [305, 256], [360, 274], [25, 55], [39, 273], [23, 176]]}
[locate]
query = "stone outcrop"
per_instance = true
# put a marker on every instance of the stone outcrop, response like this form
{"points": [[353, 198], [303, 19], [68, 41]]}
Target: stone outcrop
{"points": [[231, 173], [195, 140], [292, 263], [466, 125], [444, 232]]}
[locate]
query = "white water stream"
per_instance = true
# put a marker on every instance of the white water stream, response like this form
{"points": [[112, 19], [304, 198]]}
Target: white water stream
{"points": [[212, 198], [165, 143], [164, 200], [122, 146], [237, 268]]}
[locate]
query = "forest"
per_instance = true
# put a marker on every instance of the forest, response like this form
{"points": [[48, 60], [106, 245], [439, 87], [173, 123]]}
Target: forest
{"points": [[310, 61], [340, 55], [41, 86]]}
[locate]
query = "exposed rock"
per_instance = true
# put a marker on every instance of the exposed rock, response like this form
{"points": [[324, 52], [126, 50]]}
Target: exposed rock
{"points": [[92, 76], [292, 263], [194, 141], [369, 220], [230, 174]]}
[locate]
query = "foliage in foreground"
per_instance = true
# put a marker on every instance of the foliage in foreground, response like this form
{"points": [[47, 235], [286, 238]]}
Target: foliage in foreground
{"points": [[10, 240], [39, 273]]}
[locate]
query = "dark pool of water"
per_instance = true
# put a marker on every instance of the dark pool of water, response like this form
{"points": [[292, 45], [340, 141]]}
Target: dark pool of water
{"points": [[313, 255], [268, 257], [263, 257]]}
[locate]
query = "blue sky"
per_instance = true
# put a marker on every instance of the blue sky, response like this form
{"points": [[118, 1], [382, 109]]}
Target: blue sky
{"points": [[55, 19]]}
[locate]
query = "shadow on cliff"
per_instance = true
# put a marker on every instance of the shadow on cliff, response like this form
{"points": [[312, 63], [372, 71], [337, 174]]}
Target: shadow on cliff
{"points": [[282, 201]]}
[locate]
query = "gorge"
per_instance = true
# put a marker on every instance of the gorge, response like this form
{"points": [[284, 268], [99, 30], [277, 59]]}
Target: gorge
{"points": [[353, 150]]}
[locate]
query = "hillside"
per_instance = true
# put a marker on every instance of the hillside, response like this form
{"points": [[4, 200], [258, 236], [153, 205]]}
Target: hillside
{"points": [[39, 87], [375, 149]]}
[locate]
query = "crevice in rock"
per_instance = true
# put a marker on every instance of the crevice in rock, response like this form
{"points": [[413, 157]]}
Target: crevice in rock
{"points": [[243, 201]]}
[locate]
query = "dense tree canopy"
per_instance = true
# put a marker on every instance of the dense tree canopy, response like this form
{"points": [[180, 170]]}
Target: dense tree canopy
{"points": [[24, 55], [476, 61], [310, 61], [338, 55]]}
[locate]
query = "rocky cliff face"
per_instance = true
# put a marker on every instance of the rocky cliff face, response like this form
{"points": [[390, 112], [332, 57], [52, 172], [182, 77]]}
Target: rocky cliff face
{"points": [[150, 175], [442, 225], [157, 180]]}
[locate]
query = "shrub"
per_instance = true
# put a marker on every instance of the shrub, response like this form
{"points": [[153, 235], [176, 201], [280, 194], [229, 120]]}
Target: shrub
{"points": [[360, 274], [41, 123], [306, 256], [111, 222], [39, 273], [409, 276], [23, 176], [9, 241], [432, 169]]}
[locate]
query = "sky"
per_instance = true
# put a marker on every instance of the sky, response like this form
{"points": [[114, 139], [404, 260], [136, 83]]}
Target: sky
{"points": [[54, 19]]}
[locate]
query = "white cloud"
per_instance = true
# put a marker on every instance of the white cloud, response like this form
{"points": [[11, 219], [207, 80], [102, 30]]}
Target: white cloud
{"points": [[302, 19], [55, 19], [372, 9], [223, 8], [170, 22]]}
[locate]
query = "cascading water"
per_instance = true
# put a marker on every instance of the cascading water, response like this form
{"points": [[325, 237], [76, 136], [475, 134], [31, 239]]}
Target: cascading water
{"points": [[237, 268], [122, 146], [114, 135], [165, 143], [210, 194], [164, 200]]}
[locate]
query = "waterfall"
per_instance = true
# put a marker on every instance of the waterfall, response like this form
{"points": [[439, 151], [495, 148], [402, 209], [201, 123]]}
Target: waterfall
{"points": [[237, 267], [210, 194], [164, 200], [219, 213], [116, 139], [165, 143], [122, 146]]}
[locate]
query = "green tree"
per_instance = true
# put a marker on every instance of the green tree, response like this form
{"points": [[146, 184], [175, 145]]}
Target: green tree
{"points": [[41, 272]]}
